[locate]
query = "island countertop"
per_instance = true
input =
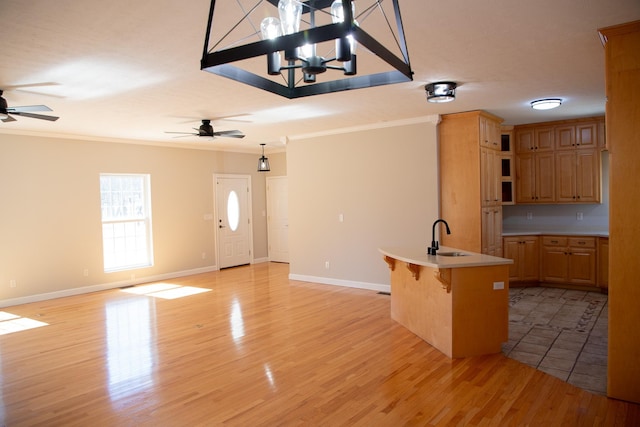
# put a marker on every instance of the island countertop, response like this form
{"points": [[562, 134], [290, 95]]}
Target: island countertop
{"points": [[419, 256]]}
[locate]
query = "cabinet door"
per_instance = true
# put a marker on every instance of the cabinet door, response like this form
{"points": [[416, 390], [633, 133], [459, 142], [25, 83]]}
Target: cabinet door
{"points": [[554, 264], [544, 138], [603, 263], [525, 178], [587, 172], [497, 231], [587, 135], [524, 141], [565, 176], [511, 249], [545, 178], [565, 137], [530, 257], [582, 266]]}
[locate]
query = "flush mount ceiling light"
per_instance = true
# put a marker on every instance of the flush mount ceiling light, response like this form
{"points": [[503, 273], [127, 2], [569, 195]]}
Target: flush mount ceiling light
{"points": [[441, 91], [263, 162], [546, 104], [315, 36]]}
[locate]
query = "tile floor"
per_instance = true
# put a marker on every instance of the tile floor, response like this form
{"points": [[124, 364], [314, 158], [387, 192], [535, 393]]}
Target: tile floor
{"points": [[561, 332]]}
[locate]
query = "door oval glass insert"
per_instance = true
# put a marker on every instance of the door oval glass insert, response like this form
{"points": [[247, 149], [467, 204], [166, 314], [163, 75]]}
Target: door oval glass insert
{"points": [[233, 210]]}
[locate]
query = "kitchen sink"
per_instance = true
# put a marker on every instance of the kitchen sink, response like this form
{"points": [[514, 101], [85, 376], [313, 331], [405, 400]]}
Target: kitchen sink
{"points": [[452, 254]]}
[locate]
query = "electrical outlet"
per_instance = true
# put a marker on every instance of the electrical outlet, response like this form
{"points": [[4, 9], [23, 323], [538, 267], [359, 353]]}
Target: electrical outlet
{"points": [[326, 265], [204, 255], [529, 215], [12, 283], [579, 216], [85, 272]]}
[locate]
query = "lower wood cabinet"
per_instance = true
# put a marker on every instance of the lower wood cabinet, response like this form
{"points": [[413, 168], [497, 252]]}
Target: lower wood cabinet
{"points": [[492, 231], [603, 262], [569, 260], [524, 251]]}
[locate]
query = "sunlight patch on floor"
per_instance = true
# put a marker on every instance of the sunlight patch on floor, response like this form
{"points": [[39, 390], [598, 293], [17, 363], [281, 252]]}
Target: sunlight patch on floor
{"points": [[10, 323], [165, 290]]}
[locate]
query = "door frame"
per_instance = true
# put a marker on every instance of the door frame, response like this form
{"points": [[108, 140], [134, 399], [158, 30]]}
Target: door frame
{"points": [[217, 176], [269, 201]]}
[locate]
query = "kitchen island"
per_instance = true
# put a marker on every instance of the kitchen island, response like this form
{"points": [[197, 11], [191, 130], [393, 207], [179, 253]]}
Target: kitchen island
{"points": [[456, 300]]}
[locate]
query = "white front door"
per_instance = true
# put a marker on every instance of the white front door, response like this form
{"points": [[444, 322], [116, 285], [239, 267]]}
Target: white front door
{"points": [[278, 218], [233, 221]]}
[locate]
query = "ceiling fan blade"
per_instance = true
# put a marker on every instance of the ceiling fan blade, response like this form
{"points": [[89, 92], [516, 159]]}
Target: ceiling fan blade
{"points": [[28, 109], [184, 133], [228, 132], [9, 119], [34, 116]]}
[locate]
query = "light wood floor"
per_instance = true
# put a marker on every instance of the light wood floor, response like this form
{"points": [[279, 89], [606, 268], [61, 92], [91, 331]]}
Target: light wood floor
{"points": [[261, 350]]}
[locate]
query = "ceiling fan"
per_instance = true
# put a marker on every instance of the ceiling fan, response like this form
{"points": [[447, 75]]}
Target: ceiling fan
{"points": [[206, 129], [26, 111]]}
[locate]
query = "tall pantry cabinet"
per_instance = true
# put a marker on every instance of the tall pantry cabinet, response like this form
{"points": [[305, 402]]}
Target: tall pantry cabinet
{"points": [[622, 72], [471, 181]]}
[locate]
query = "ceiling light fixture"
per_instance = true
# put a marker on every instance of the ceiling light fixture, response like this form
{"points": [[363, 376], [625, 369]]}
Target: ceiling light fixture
{"points": [[546, 104], [324, 21], [441, 91], [263, 162]]}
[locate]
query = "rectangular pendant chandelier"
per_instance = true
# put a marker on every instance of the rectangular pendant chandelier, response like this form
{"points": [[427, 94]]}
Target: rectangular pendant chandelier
{"points": [[297, 48]]}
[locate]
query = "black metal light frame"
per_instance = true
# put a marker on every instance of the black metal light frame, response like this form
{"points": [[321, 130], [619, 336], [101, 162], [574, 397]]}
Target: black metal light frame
{"points": [[219, 62]]}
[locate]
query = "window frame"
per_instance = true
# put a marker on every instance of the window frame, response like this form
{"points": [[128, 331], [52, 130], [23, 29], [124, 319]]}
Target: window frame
{"points": [[145, 220]]}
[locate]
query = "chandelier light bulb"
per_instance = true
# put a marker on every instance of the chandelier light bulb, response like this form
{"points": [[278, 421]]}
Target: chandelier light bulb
{"points": [[290, 14], [270, 28]]}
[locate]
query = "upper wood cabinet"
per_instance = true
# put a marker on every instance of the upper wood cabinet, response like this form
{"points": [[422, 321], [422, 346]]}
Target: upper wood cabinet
{"points": [[534, 139], [535, 178], [588, 134], [470, 180], [559, 162]]}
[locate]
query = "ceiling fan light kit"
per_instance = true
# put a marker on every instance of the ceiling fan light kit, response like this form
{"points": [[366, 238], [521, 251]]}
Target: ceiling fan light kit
{"points": [[302, 62], [441, 91], [546, 103]]}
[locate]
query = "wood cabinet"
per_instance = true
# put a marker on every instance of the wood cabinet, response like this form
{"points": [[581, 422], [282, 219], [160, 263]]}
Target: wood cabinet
{"points": [[525, 253], [492, 231], [507, 166], [531, 138], [622, 73], [603, 262], [535, 178], [569, 260], [469, 163], [490, 176], [577, 177], [559, 162]]}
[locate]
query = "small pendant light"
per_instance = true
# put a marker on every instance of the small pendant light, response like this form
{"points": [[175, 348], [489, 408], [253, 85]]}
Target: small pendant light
{"points": [[263, 162]]}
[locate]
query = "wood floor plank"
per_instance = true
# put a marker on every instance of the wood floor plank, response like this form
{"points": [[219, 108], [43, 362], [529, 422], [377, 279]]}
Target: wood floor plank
{"points": [[259, 349]]}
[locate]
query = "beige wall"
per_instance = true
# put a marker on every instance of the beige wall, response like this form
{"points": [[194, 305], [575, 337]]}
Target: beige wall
{"points": [[50, 211], [383, 182]]}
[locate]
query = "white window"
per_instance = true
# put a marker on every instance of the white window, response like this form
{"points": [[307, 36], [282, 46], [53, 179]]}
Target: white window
{"points": [[126, 221]]}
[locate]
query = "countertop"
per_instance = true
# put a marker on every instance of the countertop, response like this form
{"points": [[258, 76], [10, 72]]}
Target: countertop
{"points": [[541, 232], [419, 256]]}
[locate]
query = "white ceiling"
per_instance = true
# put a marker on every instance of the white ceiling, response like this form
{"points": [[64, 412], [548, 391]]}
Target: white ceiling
{"points": [[130, 70]]}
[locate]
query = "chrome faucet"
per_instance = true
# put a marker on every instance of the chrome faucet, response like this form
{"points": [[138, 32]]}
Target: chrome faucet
{"points": [[434, 243]]}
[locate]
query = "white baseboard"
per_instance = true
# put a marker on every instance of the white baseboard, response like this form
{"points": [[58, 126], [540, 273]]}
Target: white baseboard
{"points": [[339, 282], [103, 287]]}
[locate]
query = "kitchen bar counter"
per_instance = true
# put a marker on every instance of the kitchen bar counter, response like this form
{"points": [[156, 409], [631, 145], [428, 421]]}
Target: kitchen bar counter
{"points": [[459, 305]]}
